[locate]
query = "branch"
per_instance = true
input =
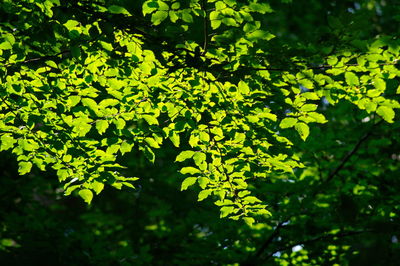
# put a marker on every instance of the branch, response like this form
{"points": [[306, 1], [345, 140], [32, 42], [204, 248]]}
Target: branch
{"points": [[320, 67], [40, 58], [322, 237], [347, 157], [268, 241], [205, 26]]}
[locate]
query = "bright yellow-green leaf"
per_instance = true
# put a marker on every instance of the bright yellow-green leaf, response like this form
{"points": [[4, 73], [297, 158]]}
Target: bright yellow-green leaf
{"points": [[86, 195], [189, 181], [226, 210], [199, 158], [379, 84], [97, 187], [302, 129], [151, 120], [249, 220], [51, 64], [70, 189], [175, 139], [70, 24], [119, 123], [24, 167], [204, 136], [288, 122], [125, 147], [204, 194], [351, 79], [73, 100], [63, 174], [158, 17], [90, 103], [190, 170], [101, 126], [152, 142], [184, 155], [7, 142], [203, 182], [308, 107], [386, 113]]}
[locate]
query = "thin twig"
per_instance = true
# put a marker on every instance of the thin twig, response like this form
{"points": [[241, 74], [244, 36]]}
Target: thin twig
{"points": [[205, 26], [323, 237], [347, 157]]}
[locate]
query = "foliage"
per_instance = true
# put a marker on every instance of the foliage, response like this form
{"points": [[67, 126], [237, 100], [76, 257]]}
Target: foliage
{"points": [[267, 115]]}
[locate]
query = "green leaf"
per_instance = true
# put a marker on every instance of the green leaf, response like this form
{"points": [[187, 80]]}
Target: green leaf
{"points": [[97, 187], [90, 103], [332, 60], [125, 147], [226, 210], [9, 38], [148, 152], [243, 87], [260, 7], [151, 120], [229, 22], [86, 195], [250, 27], [319, 118], [73, 100], [302, 129], [249, 220], [63, 174], [24, 167], [71, 24], [259, 34], [193, 141], [5, 46], [204, 136], [159, 17], [288, 122], [386, 113], [28, 145], [118, 10], [187, 17], [51, 64], [251, 199], [188, 182], [149, 6], [184, 155], [101, 126], [119, 123], [175, 5], [108, 102], [190, 170], [215, 24], [374, 93], [152, 142], [204, 194], [351, 79], [199, 158], [380, 84], [310, 95], [70, 189], [7, 142], [175, 139], [203, 182], [308, 107]]}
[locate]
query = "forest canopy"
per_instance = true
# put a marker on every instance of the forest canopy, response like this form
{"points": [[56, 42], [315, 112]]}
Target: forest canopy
{"points": [[280, 115]]}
